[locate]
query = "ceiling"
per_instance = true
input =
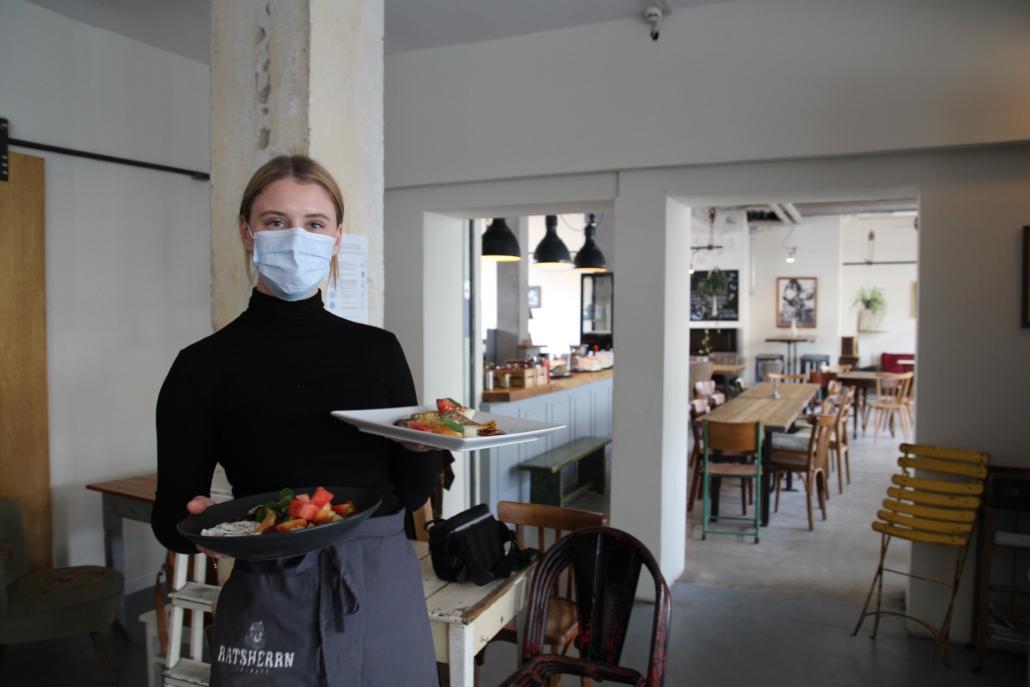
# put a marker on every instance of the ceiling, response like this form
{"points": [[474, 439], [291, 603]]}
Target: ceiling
{"points": [[182, 26]]}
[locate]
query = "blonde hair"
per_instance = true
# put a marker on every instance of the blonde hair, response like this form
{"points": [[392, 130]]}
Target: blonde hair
{"points": [[304, 170]]}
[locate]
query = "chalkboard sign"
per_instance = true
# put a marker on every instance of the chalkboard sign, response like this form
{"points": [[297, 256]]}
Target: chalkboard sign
{"points": [[728, 307]]}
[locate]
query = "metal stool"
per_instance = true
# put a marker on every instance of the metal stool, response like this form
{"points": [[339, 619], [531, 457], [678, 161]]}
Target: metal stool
{"points": [[812, 361], [765, 357]]}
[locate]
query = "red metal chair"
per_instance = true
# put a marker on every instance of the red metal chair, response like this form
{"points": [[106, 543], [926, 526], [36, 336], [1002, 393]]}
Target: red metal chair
{"points": [[606, 566]]}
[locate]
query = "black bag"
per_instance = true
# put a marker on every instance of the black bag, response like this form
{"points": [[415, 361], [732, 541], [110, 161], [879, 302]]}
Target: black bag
{"points": [[471, 546]]}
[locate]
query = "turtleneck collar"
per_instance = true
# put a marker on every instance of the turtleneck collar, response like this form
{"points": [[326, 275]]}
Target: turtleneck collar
{"points": [[271, 309]]}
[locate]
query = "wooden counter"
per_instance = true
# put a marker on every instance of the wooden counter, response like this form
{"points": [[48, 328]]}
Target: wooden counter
{"points": [[577, 379]]}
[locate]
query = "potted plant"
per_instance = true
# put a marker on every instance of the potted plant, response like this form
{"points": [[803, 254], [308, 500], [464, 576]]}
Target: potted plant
{"points": [[715, 286], [872, 307]]}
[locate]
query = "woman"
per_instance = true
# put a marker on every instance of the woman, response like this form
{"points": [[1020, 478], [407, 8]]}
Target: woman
{"points": [[256, 397]]}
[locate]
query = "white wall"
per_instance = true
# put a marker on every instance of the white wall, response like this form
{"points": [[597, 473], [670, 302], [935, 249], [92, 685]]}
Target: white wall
{"points": [[127, 251], [896, 240], [745, 80], [556, 324], [818, 255]]}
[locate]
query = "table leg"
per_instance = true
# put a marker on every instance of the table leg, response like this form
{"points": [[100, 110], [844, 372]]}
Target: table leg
{"points": [[114, 545], [460, 656], [766, 475]]}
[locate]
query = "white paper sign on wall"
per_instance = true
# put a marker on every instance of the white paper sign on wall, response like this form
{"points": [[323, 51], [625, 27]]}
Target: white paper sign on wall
{"points": [[348, 295]]}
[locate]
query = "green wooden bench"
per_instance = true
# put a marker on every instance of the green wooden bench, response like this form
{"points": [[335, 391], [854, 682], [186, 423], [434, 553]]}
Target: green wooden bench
{"points": [[547, 483]]}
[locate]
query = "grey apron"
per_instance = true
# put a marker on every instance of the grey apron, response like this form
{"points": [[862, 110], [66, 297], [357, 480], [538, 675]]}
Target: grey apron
{"points": [[353, 615]]}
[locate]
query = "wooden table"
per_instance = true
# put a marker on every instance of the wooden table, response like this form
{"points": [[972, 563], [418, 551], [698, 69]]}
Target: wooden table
{"points": [[776, 415], [132, 498], [464, 617], [792, 348], [727, 370], [862, 380]]}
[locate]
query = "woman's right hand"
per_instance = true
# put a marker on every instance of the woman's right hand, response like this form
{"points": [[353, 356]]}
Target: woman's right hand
{"points": [[196, 506]]}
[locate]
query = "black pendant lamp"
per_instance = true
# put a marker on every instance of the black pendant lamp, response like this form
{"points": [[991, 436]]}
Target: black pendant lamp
{"points": [[499, 242], [590, 258], [552, 252]]}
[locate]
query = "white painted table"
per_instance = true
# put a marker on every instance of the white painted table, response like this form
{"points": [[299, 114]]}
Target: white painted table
{"points": [[465, 617]]}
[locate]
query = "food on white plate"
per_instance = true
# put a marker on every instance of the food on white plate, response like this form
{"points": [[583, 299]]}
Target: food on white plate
{"points": [[450, 419], [286, 514]]}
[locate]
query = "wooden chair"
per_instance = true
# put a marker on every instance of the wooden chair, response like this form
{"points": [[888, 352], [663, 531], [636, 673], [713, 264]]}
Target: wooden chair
{"points": [[561, 627], [419, 519], [743, 440], [698, 409], [707, 391], [938, 507], [839, 442], [605, 565], [889, 405], [811, 465]]}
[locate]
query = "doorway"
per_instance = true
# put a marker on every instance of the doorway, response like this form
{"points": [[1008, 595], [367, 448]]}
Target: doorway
{"points": [[839, 255]]}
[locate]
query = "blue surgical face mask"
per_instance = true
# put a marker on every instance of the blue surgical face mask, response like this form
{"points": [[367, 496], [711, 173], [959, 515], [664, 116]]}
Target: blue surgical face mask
{"points": [[292, 261]]}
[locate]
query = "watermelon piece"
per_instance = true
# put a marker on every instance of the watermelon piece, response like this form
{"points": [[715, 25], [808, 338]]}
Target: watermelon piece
{"points": [[321, 497], [308, 511]]}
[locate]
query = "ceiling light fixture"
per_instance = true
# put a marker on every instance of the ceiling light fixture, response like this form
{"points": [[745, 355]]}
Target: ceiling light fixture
{"points": [[552, 253], [590, 258], [792, 250], [499, 243]]}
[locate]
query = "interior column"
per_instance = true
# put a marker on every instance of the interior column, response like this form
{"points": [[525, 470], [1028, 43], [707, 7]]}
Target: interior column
{"points": [[650, 405], [289, 77]]}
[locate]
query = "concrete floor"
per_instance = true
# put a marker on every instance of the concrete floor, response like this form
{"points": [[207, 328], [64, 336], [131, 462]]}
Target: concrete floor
{"points": [[779, 612], [835, 560]]}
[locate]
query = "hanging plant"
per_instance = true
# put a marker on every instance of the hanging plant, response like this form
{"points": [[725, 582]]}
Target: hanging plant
{"points": [[715, 287], [872, 307], [871, 300]]}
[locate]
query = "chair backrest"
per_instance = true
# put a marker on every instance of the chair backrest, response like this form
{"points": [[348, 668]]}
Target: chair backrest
{"points": [[940, 505], [738, 437], [893, 387], [419, 519], [606, 566], [786, 378], [14, 562], [767, 367], [553, 520], [701, 371], [819, 443]]}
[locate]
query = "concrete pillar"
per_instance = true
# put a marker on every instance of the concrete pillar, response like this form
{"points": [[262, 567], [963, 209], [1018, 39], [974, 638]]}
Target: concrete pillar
{"points": [[295, 76], [513, 294], [650, 407]]}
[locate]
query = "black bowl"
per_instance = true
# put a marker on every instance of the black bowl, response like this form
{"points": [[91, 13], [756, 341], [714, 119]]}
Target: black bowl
{"points": [[265, 547]]}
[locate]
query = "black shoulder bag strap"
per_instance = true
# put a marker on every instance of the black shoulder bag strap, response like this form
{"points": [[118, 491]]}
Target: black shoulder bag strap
{"points": [[516, 558]]}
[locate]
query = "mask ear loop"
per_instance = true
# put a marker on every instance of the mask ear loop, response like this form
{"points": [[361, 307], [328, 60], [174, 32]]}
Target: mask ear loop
{"points": [[248, 261]]}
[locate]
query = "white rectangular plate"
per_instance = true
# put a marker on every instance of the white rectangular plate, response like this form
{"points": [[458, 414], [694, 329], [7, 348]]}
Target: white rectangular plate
{"points": [[380, 421]]}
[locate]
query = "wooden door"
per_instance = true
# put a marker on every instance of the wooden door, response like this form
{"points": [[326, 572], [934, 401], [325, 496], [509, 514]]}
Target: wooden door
{"points": [[24, 444]]}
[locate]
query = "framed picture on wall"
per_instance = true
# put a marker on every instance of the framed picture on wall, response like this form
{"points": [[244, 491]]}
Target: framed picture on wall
{"points": [[534, 296], [796, 301], [1026, 277]]}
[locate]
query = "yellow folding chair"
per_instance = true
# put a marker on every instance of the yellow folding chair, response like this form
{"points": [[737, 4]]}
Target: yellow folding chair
{"points": [[938, 507]]}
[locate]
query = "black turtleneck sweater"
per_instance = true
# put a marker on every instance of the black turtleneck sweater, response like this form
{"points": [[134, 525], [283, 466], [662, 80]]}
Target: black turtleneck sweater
{"points": [[256, 397]]}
